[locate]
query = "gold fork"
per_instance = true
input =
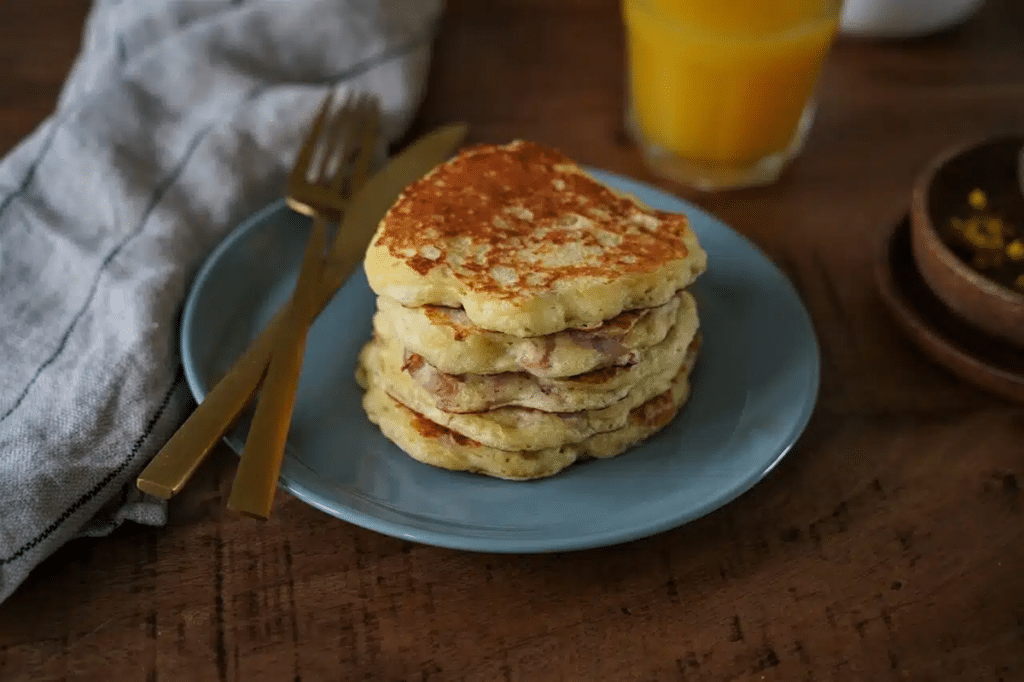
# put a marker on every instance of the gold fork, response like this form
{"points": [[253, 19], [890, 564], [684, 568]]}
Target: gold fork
{"points": [[181, 456], [252, 493]]}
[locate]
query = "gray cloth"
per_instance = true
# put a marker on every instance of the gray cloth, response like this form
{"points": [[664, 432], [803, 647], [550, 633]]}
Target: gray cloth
{"points": [[179, 119]]}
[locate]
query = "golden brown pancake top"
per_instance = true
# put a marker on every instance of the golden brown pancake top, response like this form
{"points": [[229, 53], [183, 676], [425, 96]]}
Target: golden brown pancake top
{"points": [[505, 218]]}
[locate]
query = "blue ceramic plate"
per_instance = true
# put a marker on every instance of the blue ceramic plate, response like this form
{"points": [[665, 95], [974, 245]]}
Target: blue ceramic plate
{"points": [[753, 391]]}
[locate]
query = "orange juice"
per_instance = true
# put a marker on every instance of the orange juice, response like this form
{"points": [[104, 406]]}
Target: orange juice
{"points": [[725, 81]]}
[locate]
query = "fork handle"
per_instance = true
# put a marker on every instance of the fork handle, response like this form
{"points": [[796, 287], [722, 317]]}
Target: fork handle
{"points": [[252, 492]]}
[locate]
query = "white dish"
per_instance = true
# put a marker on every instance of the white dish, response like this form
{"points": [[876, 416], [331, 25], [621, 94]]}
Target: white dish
{"points": [[903, 18]]}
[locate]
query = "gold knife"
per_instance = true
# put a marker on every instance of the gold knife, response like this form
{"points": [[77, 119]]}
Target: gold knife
{"points": [[178, 460]]}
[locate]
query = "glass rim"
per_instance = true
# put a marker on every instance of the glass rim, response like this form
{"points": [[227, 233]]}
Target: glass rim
{"points": [[831, 9]]}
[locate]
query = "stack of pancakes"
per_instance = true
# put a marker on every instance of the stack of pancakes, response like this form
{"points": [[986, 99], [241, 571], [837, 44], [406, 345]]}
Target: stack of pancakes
{"points": [[528, 316]]}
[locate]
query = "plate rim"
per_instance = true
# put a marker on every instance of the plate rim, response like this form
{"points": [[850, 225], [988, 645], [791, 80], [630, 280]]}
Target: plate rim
{"points": [[509, 544]]}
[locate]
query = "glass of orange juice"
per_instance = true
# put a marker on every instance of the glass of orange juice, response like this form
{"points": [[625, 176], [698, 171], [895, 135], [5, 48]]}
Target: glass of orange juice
{"points": [[722, 91]]}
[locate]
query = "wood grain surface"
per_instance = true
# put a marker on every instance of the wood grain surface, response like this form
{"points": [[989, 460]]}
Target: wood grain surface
{"points": [[889, 545]]}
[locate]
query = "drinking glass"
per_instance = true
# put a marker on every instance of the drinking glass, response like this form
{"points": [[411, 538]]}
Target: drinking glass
{"points": [[721, 92]]}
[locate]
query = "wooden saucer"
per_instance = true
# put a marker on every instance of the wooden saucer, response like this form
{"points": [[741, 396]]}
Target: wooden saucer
{"points": [[991, 364]]}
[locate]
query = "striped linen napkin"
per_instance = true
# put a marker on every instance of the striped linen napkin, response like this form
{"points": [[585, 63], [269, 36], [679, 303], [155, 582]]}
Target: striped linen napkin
{"points": [[178, 120]]}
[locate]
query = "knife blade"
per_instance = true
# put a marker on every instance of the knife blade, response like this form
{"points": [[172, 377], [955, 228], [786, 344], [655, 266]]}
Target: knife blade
{"points": [[181, 456]]}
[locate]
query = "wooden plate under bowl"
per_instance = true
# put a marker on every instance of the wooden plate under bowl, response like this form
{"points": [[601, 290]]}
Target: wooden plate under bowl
{"points": [[989, 363]]}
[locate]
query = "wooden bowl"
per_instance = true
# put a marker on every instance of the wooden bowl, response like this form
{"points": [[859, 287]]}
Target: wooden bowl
{"points": [[991, 364], [940, 194]]}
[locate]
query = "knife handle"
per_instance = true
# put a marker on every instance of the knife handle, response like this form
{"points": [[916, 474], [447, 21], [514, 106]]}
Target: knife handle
{"points": [[179, 458]]}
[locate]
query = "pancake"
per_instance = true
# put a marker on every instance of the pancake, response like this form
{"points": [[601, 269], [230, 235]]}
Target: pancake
{"points": [[528, 244], [432, 444], [590, 391], [449, 342], [505, 428]]}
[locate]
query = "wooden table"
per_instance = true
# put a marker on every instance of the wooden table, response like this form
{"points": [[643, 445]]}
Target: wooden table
{"points": [[888, 545]]}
